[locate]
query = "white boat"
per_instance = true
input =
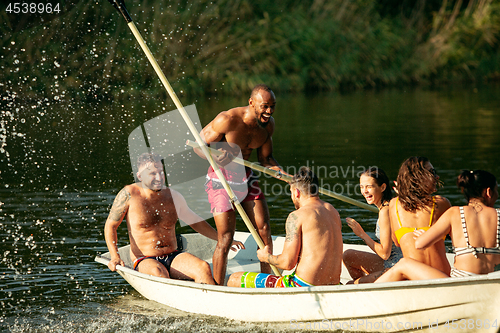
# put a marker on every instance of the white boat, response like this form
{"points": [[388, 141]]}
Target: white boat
{"points": [[454, 304]]}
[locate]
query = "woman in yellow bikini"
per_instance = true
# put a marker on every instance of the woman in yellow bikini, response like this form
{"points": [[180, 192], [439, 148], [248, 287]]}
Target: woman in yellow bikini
{"points": [[416, 209], [474, 231]]}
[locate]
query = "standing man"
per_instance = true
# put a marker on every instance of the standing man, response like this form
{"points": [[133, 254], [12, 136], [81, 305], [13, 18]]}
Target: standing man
{"points": [[151, 211], [313, 242], [243, 128]]}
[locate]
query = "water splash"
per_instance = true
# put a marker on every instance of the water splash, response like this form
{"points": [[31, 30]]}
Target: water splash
{"points": [[132, 313]]}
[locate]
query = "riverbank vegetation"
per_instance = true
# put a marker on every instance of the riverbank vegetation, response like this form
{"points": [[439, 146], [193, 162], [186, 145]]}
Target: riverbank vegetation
{"points": [[227, 46]]}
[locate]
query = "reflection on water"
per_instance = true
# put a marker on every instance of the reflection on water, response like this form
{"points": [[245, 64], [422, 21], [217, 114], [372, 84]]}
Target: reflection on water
{"points": [[61, 175]]}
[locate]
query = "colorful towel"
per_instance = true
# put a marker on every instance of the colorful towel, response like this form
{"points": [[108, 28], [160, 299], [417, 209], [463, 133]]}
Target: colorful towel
{"points": [[262, 280]]}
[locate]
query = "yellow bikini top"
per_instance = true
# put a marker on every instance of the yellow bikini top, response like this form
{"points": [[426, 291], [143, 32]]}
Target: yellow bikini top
{"points": [[404, 230]]}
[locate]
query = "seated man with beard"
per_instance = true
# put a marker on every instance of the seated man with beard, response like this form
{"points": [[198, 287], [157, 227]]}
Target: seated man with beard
{"points": [[151, 211]]}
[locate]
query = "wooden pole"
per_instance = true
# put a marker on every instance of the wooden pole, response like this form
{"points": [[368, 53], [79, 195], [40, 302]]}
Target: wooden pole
{"points": [[201, 144], [286, 178]]}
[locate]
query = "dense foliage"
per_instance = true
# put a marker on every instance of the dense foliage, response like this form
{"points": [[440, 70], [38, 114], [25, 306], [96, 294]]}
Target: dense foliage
{"points": [[227, 46]]}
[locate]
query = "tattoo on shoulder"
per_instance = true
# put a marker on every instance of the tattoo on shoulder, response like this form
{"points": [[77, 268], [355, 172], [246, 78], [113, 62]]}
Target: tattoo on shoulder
{"points": [[123, 196], [291, 228], [119, 205]]}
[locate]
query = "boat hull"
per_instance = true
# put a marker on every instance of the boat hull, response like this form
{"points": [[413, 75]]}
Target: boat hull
{"points": [[457, 304]]}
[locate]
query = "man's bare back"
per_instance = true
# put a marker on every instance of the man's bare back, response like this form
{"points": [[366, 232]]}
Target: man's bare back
{"points": [[322, 246], [313, 243]]}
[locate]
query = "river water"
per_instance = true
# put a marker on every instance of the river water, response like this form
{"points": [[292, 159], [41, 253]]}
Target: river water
{"points": [[62, 164]]}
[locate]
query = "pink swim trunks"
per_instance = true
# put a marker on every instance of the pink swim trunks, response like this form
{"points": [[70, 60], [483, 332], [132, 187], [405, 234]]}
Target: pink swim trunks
{"points": [[246, 188]]}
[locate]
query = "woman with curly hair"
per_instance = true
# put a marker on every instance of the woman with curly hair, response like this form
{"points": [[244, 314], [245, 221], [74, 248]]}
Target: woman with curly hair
{"points": [[416, 208]]}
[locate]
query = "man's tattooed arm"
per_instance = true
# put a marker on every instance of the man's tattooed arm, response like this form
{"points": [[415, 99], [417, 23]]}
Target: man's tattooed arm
{"points": [[120, 205], [291, 227], [287, 259], [118, 211]]}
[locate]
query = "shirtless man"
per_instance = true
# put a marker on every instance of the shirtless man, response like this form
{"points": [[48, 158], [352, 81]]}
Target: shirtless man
{"points": [[242, 128], [151, 211], [313, 242]]}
